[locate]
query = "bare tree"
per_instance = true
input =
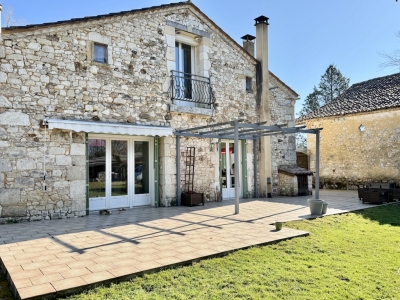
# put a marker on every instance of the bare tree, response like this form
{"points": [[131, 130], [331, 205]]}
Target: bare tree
{"points": [[392, 60], [8, 18]]}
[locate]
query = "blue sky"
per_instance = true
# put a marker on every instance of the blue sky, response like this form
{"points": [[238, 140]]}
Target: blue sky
{"points": [[304, 36]]}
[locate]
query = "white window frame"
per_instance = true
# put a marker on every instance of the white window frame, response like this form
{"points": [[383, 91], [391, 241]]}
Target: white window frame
{"points": [[131, 199], [193, 54]]}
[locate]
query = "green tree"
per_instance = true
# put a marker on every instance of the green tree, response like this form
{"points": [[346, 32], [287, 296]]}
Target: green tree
{"points": [[311, 103], [331, 86]]}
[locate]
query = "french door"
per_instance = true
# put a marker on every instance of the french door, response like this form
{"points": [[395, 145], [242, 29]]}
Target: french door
{"points": [[184, 64], [120, 172], [227, 160]]}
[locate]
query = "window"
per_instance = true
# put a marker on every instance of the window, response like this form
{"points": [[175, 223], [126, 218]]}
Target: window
{"points": [[183, 65], [183, 58], [100, 53], [249, 84]]}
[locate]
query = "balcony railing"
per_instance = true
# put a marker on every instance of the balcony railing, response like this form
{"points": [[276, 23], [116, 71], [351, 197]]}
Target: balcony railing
{"points": [[191, 90]]}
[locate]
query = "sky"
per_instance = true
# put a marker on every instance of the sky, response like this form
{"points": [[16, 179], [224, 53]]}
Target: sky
{"points": [[305, 37]]}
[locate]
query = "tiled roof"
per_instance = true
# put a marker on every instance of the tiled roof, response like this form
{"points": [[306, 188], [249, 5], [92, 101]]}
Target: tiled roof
{"points": [[374, 94], [294, 170]]}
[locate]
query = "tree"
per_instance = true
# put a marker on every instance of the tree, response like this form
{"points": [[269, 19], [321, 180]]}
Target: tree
{"points": [[392, 60], [331, 86], [311, 103], [8, 18]]}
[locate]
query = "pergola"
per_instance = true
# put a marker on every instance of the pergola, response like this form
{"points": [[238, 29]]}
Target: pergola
{"points": [[236, 130]]}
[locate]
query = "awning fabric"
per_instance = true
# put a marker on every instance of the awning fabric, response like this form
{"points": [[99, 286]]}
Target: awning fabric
{"points": [[108, 128]]}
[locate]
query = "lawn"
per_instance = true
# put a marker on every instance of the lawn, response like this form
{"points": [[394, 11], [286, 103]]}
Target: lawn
{"points": [[348, 256]]}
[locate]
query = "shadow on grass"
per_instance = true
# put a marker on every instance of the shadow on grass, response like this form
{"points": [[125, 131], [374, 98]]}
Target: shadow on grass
{"points": [[387, 214]]}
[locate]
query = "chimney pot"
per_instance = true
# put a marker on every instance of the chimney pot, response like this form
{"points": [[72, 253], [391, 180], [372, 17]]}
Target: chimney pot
{"points": [[261, 19], [248, 37], [248, 43]]}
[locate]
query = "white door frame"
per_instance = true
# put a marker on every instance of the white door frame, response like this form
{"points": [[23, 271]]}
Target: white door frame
{"points": [[131, 199], [229, 191]]}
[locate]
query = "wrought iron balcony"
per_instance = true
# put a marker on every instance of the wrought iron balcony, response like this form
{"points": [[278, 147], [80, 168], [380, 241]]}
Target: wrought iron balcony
{"points": [[191, 90]]}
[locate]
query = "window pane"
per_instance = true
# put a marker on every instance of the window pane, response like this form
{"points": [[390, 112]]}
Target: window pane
{"points": [[119, 168], [142, 171], [100, 53], [97, 168], [187, 58], [248, 84], [232, 162]]}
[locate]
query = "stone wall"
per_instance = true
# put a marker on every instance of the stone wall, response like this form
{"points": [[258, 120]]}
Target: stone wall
{"points": [[302, 160], [288, 185], [350, 156], [49, 71], [283, 147]]}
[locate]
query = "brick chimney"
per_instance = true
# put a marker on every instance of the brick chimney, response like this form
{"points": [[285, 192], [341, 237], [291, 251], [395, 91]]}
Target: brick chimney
{"points": [[264, 103], [248, 43]]}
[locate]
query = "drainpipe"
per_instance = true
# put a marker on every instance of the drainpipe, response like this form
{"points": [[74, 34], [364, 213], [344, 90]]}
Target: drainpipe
{"points": [[265, 169]]}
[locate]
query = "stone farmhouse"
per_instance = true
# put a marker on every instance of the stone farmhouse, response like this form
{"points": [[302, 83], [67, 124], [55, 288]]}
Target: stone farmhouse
{"points": [[88, 109], [360, 140]]}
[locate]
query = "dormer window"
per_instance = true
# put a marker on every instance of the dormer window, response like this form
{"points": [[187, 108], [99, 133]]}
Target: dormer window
{"points": [[100, 54]]}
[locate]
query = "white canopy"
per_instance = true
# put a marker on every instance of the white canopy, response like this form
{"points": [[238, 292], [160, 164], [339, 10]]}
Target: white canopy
{"points": [[109, 128]]}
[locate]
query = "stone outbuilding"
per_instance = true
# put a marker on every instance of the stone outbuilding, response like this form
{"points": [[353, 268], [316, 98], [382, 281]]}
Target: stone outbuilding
{"points": [[360, 140], [89, 106], [294, 181]]}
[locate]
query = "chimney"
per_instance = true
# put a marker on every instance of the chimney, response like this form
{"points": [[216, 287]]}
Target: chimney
{"points": [[248, 43], [263, 99]]}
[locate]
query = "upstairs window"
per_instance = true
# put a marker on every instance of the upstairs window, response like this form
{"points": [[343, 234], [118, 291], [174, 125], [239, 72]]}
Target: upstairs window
{"points": [[100, 53], [183, 58], [249, 84]]}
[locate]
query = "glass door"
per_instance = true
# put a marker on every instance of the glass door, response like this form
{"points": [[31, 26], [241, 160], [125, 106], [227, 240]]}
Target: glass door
{"points": [[97, 173], [183, 64], [228, 170], [142, 173], [120, 172]]}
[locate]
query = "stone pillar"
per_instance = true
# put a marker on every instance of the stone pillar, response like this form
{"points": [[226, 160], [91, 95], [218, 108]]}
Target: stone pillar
{"points": [[167, 157], [263, 90]]}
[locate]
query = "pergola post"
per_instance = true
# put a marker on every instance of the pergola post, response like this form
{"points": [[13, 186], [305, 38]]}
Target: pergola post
{"points": [[317, 165], [255, 168], [237, 166], [178, 170]]}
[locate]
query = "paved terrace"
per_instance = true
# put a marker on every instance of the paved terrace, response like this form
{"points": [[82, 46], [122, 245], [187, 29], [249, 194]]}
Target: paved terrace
{"points": [[59, 257]]}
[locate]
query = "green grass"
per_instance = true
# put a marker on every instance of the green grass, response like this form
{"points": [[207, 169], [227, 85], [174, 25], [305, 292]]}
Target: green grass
{"points": [[348, 256]]}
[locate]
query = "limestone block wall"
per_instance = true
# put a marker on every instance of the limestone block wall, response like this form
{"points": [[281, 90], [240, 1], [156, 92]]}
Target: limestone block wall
{"points": [[288, 185], [350, 156], [49, 72], [283, 147]]}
